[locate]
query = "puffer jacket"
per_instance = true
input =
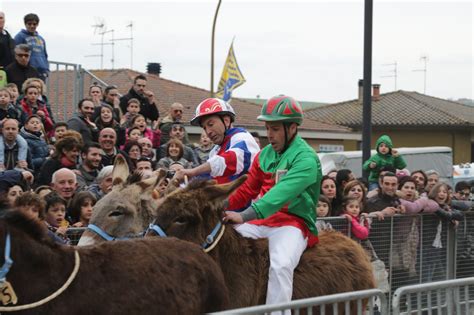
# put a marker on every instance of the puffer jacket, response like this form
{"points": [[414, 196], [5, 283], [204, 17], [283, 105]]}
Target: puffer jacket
{"points": [[37, 146]]}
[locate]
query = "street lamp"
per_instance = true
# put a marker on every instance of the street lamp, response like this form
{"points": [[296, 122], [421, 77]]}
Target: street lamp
{"points": [[212, 48]]}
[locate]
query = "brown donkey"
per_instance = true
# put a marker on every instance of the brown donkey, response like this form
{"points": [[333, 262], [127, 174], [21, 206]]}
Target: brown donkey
{"points": [[145, 276], [337, 264]]}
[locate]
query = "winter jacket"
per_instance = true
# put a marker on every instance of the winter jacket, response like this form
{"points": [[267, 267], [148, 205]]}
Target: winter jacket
{"points": [[288, 186], [18, 74], [28, 110], [85, 178], [119, 130], [167, 161], [37, 146], [382, 160], [88, 133], [47, 169], [149, 111], [358, 230], [7, 44], [9, 112], [188, 154], [39, 55]]}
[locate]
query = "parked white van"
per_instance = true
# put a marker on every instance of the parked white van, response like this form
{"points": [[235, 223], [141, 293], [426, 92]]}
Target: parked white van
{"points": [[439, 159]]}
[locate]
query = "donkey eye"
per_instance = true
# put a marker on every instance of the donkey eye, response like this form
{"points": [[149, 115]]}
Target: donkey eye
{"points": [[115, 213], [180, 220]]}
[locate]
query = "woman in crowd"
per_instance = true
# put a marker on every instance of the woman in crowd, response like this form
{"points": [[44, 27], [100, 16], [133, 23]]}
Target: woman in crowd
{"points": [[174, 153], [328, 189], [80, 209], [106, 120], [134, 152], [153, 135]]}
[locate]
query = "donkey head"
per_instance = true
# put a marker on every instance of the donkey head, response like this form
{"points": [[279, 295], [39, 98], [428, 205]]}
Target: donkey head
{"points": [[191, 213], [128, 209]]}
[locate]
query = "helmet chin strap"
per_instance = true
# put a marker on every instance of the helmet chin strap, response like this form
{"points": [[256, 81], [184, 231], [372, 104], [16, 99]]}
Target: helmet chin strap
{"points": [[286, 127], [225, 127]]}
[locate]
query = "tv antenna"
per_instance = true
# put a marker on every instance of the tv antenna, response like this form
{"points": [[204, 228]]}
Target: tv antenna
{"points": [[130, 25], [424, 59], [393, 71], [101, 29]]}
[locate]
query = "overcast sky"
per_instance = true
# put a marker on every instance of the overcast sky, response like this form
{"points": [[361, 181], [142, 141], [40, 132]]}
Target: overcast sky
{"points": [[312, 50]]}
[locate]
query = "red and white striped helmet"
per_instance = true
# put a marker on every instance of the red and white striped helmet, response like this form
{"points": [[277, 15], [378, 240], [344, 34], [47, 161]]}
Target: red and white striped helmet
{"points": [[212, 106]]}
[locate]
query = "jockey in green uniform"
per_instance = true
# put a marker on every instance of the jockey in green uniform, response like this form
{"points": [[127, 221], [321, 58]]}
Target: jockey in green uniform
{"points": [[279, 198]]}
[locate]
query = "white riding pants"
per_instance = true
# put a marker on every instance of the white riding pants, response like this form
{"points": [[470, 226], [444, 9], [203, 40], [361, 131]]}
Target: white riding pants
{"points": [[286, 245]]}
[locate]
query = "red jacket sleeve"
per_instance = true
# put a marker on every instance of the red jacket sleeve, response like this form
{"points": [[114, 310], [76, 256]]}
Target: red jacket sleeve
{"points": [[358, 230], [250, 189]]}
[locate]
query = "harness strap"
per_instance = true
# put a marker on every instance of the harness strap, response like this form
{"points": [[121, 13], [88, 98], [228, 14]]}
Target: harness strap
{"points": [[8, 261], [210, 238], [104, 234], [77, 263], [157, 229]]}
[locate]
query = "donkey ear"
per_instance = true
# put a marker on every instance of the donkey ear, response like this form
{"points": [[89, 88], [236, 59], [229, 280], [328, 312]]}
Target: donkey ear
{"points": [[223, 191], [120, 172]]}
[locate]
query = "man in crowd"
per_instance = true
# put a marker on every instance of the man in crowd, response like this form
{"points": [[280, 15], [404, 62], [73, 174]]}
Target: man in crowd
{"points": [[235, 147], [37, 44], [10, 134], [89, 168], [7, 44], [148, 104], [64, 183], [20, 70], [144, 166], [108, 142], [82, 121], [462, 191], [147, 148], [386, 202], [103, 182], [175, 115]]}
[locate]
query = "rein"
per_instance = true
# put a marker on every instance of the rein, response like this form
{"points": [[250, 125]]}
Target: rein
{"points": [[208, 245], [6, 267], [97, 230]]}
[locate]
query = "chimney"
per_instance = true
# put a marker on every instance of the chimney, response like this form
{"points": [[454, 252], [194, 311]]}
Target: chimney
{"points": [[153, 68], [361, 90], [376, 92]]}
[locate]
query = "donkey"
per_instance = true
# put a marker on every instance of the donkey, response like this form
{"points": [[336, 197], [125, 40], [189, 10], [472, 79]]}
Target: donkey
{"points": [[337, 264], [128, 209], [152, 275]]}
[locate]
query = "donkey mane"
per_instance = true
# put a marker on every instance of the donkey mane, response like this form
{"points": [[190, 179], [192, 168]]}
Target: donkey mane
{"points": [[198, 184], [133, 178], [32, 227]]}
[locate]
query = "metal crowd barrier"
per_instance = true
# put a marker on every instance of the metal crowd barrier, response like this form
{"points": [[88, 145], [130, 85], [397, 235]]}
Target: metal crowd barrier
{"points": [[443, 297], [329, 304]]}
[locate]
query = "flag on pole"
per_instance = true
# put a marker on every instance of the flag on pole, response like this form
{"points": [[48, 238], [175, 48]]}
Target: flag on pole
{"points": [[231, 77]]}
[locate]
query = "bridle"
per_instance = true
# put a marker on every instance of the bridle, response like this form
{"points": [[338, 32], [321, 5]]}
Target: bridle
{"points": [[106, 236]]}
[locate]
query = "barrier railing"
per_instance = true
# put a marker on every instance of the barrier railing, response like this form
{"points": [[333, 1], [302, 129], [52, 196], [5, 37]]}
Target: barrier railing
{"points": [[358, 302]]}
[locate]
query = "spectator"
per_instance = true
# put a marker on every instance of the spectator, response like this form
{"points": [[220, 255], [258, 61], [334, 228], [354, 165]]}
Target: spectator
{"points": [[30, 105], [20, 70], [386, 202], [174, 153], [108, 142], [29, 36], [332, 174], [134, 152], [175, 115], [59, 129], [421, 180], [89, 168], [110, 98], [95, 94], [31, 205], [11, 178], [462, 191], [7, 44], [386, 155], [148, 105], [134, 134], [147, 148], [42, 98], [64, 183], [178, 132], [351, 211], [65, 155], [154, 135], [13, 147], [323, 209], [144, 166], [12, 194], [55, 218], [7, 109], [432, 180], [355, 189], [203, 149], [328, 189], [383, 171], [82, 121], [103, 182], [43, 190], [37, 146], [81, 208], [106, 120], [256, 136], [14, 94], [133, 109]]}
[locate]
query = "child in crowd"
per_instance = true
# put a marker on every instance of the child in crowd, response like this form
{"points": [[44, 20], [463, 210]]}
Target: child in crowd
{"points": [[14, 93], [7, 111], [351, 211], [154, 135], [323, 210], [59, 129], [133, 108], [30, 105], [38, 147], [204, 148], [134, 134], [81, 208], [31, 205], [55, 217], [386, 155]]}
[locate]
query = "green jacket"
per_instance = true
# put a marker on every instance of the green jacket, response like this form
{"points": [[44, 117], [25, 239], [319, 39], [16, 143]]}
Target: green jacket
{"points": [[297, 191], [382, 160]]}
